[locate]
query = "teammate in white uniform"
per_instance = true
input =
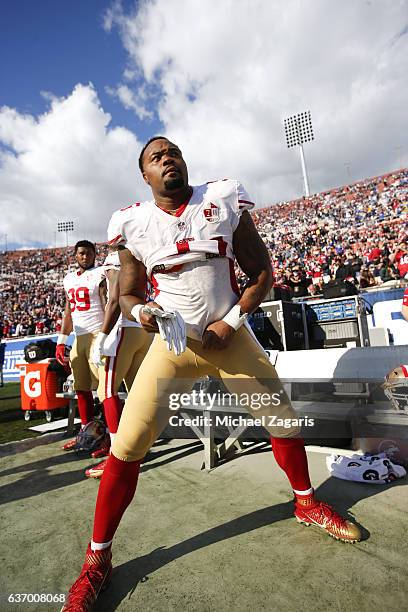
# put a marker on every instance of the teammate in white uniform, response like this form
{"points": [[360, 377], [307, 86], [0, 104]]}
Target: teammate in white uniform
{"points": [[118, 351], [85, 291], [184, 240]]}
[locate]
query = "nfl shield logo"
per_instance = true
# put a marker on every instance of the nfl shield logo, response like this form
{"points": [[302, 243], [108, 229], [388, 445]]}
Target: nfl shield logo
{"points": [[212, 213]]}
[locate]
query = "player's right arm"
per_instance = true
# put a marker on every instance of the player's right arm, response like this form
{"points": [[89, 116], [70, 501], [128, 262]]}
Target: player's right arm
{"points": [[132, 277], [132, 290], [66, 329], [112, 310], [67, 325]]}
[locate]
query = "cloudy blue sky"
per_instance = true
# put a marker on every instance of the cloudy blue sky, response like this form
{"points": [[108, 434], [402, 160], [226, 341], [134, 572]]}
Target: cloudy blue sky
{"points": [[83, 84]]}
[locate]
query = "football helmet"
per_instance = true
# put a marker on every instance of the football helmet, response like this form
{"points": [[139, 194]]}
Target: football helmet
{"points": [[90, 437], [396, 388]]}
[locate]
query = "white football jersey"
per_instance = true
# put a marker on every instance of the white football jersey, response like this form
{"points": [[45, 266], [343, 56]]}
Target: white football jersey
{"points": [[112, 262], [188, 256], [83, 294]]}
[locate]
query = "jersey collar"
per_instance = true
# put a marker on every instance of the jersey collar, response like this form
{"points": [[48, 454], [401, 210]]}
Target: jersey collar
{"points": [[79, 273], [179, 211]]}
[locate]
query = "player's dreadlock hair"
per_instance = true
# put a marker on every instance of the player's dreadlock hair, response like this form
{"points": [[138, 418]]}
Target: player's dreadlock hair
{"points": [[84, 243], [145, 147]]}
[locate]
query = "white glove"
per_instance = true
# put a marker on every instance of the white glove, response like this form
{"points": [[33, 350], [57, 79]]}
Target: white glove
{"points": [[172, 328], [97, 350]]}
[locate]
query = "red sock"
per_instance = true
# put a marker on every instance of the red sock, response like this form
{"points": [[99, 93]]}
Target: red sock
{"points": [[116, 491], [290, 455], [113, 411], [85, 406]]}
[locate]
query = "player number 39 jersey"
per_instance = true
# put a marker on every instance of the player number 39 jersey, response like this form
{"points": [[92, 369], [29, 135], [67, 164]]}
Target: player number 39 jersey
{"points": [[83, 294], [188, 255]]}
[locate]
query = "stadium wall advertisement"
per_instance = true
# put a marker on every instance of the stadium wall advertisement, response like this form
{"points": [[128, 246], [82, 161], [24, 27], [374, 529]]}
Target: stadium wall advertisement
{"points": [[386, 308], [14, 354], [385, 305]]}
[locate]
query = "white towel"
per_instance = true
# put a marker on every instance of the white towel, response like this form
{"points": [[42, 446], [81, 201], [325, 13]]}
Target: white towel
{"points": [[110, 346], [374, 469]]}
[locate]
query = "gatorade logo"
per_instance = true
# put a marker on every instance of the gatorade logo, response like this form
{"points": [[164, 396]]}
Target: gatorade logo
{"points": [[32, 384]]}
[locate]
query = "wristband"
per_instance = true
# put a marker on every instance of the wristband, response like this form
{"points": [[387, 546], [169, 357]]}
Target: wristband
{"points": [[235, 318], [62, 339], [101, 336], [135, 312]]}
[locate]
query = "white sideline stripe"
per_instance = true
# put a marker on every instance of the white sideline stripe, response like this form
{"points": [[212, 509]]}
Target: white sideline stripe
{"points": [[329, 450], [53, 425]]}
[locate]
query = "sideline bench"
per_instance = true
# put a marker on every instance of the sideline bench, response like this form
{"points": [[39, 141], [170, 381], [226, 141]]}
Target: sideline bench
{"points": [[214, 452], [351, 370]]}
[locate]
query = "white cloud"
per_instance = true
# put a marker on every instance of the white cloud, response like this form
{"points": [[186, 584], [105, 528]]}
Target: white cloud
{"points": [[131, 100], [226, 73], [220, 75], [66, 164]]}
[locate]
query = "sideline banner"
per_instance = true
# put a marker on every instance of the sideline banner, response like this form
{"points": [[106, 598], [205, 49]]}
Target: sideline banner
{"points": [[14, 353], [386, 309]]}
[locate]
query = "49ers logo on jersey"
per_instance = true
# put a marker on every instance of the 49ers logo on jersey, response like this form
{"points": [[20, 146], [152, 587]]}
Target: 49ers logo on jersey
{"points": [[212, 213]]}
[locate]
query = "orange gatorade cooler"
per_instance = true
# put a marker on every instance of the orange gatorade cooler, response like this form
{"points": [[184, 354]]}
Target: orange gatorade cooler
{"points": [[38, 386]]}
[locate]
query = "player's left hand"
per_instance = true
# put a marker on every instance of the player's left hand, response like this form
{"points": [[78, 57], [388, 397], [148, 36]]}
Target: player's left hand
{"points": [[97, 351], [218, 335]]}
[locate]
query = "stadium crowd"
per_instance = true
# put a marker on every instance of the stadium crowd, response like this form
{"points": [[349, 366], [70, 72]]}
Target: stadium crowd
{"points": [[31, 293], [357, 233]]}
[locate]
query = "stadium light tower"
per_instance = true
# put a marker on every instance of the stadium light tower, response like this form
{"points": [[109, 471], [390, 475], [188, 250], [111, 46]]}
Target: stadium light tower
{"points": [[298, 130], [65, 226]]}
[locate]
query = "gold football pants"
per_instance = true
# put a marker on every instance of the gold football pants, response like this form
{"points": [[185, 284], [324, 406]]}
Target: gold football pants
{"points": [[132, 347], [243, 367], [84, 371]]}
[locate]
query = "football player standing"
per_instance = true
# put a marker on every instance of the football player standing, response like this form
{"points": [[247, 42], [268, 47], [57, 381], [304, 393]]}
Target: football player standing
{"points": [[118, 351], [85, 291], [185, 240]]}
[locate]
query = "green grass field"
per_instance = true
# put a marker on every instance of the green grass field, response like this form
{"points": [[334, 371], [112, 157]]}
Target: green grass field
{"points": [[13, 427]]}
